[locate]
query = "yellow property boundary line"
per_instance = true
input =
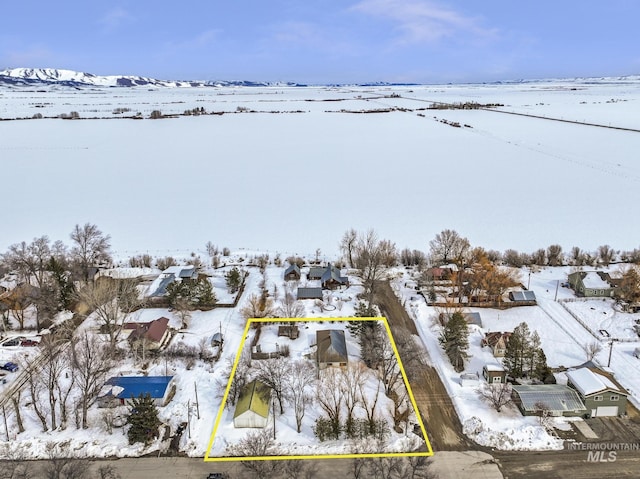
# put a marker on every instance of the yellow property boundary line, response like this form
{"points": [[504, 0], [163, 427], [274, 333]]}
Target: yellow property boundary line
{"points": [[429, 451]]}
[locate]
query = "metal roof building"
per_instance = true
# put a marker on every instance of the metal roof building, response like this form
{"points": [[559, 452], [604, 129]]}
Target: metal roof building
{"points": [[559, 400]]}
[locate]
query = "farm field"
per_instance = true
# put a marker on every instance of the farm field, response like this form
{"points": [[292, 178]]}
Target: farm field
{"points": [[502, 180]]}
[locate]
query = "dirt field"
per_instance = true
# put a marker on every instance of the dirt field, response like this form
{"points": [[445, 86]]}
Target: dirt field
{"points": [[440, 418]]}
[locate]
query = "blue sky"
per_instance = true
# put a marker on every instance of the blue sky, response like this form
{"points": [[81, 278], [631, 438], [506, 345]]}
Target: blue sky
{"points": [[321, 41]]}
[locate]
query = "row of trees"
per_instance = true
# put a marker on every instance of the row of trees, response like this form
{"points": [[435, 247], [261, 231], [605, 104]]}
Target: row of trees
{"points": [[46, 271]]}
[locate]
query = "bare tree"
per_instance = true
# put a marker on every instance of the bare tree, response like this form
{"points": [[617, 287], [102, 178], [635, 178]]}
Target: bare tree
{"points": [[497, 395], [592, 349], [330, 396], [239, 378], [299, 382], [111, 301], [544, 413], [257, 444], [274, 373], [61, 463], [414, 467], [91, 363], [291, 307], [372, 258], [257, 307], [348, 245], [108, 472], [369, 405], [448, 246], [14, 464], [352, 383], [90, 248], [606, 254], [297, 469], [555, 257]]}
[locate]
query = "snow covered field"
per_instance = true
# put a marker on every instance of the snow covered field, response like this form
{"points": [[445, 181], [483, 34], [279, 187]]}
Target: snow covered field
{"points": [[236, 179]]}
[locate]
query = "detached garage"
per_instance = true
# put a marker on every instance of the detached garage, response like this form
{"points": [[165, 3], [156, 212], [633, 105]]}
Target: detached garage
{"points": [[252, 409], [601, 395]]}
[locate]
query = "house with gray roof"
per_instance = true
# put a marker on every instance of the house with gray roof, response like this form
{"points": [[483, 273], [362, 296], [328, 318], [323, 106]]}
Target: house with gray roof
{"points": [[292, 273], [329, 276], [158, 287], [590, 284], [332, 348]]}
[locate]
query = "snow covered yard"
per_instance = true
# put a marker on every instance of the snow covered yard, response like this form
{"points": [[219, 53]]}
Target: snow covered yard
{"points": [[288, 441]]}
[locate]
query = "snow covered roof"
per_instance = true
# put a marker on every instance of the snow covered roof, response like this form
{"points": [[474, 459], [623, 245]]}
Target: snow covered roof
{"points": [[593, 280], [181, 271], [588, 382], [494, 367], [554, 397], [523, 295]]}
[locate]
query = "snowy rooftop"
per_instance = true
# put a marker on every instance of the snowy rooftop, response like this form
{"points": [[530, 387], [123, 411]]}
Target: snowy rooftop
{"points": [[588, 382], [593, 280]]}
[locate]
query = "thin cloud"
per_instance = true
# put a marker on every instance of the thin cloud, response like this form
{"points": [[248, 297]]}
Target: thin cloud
{"points": [[424, 21], [115, 18]]}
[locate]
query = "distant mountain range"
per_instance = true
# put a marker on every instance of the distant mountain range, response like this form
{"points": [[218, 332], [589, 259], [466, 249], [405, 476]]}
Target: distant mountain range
{"points": [[70, 78], [52, 76]]}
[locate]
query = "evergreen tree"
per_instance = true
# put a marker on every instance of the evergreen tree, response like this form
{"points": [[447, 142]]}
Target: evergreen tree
{"points": [[541, 370], [455, 340], [517, 351], [143, 419], [233, 279]]}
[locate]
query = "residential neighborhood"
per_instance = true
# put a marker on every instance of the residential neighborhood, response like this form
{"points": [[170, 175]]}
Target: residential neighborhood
{"points": [[220, 356]]}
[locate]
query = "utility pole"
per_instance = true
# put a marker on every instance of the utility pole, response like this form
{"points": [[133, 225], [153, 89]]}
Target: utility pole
{"points": [[610, 351], [557, 286], [188, 419], [273, 408], [197, 402]]}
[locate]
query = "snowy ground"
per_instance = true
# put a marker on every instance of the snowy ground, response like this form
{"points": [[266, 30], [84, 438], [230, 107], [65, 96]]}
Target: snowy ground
{"points": [[204, 379], [291, 443], [243, 176]]}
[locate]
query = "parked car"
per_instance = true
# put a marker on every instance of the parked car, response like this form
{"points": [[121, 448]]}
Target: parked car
{"points": [[217, 475], [636, 353], [11, 342], [28, 342], [11, 367]]}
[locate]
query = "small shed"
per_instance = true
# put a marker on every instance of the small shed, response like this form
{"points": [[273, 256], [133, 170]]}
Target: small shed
{"points": [[522, 296], [217, 340], [292, 273], [252, 408], [310, 293], [494, 373]]}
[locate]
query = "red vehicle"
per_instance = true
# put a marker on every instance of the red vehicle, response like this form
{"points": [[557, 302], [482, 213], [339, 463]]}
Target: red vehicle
{"points": [[28, 342]]}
